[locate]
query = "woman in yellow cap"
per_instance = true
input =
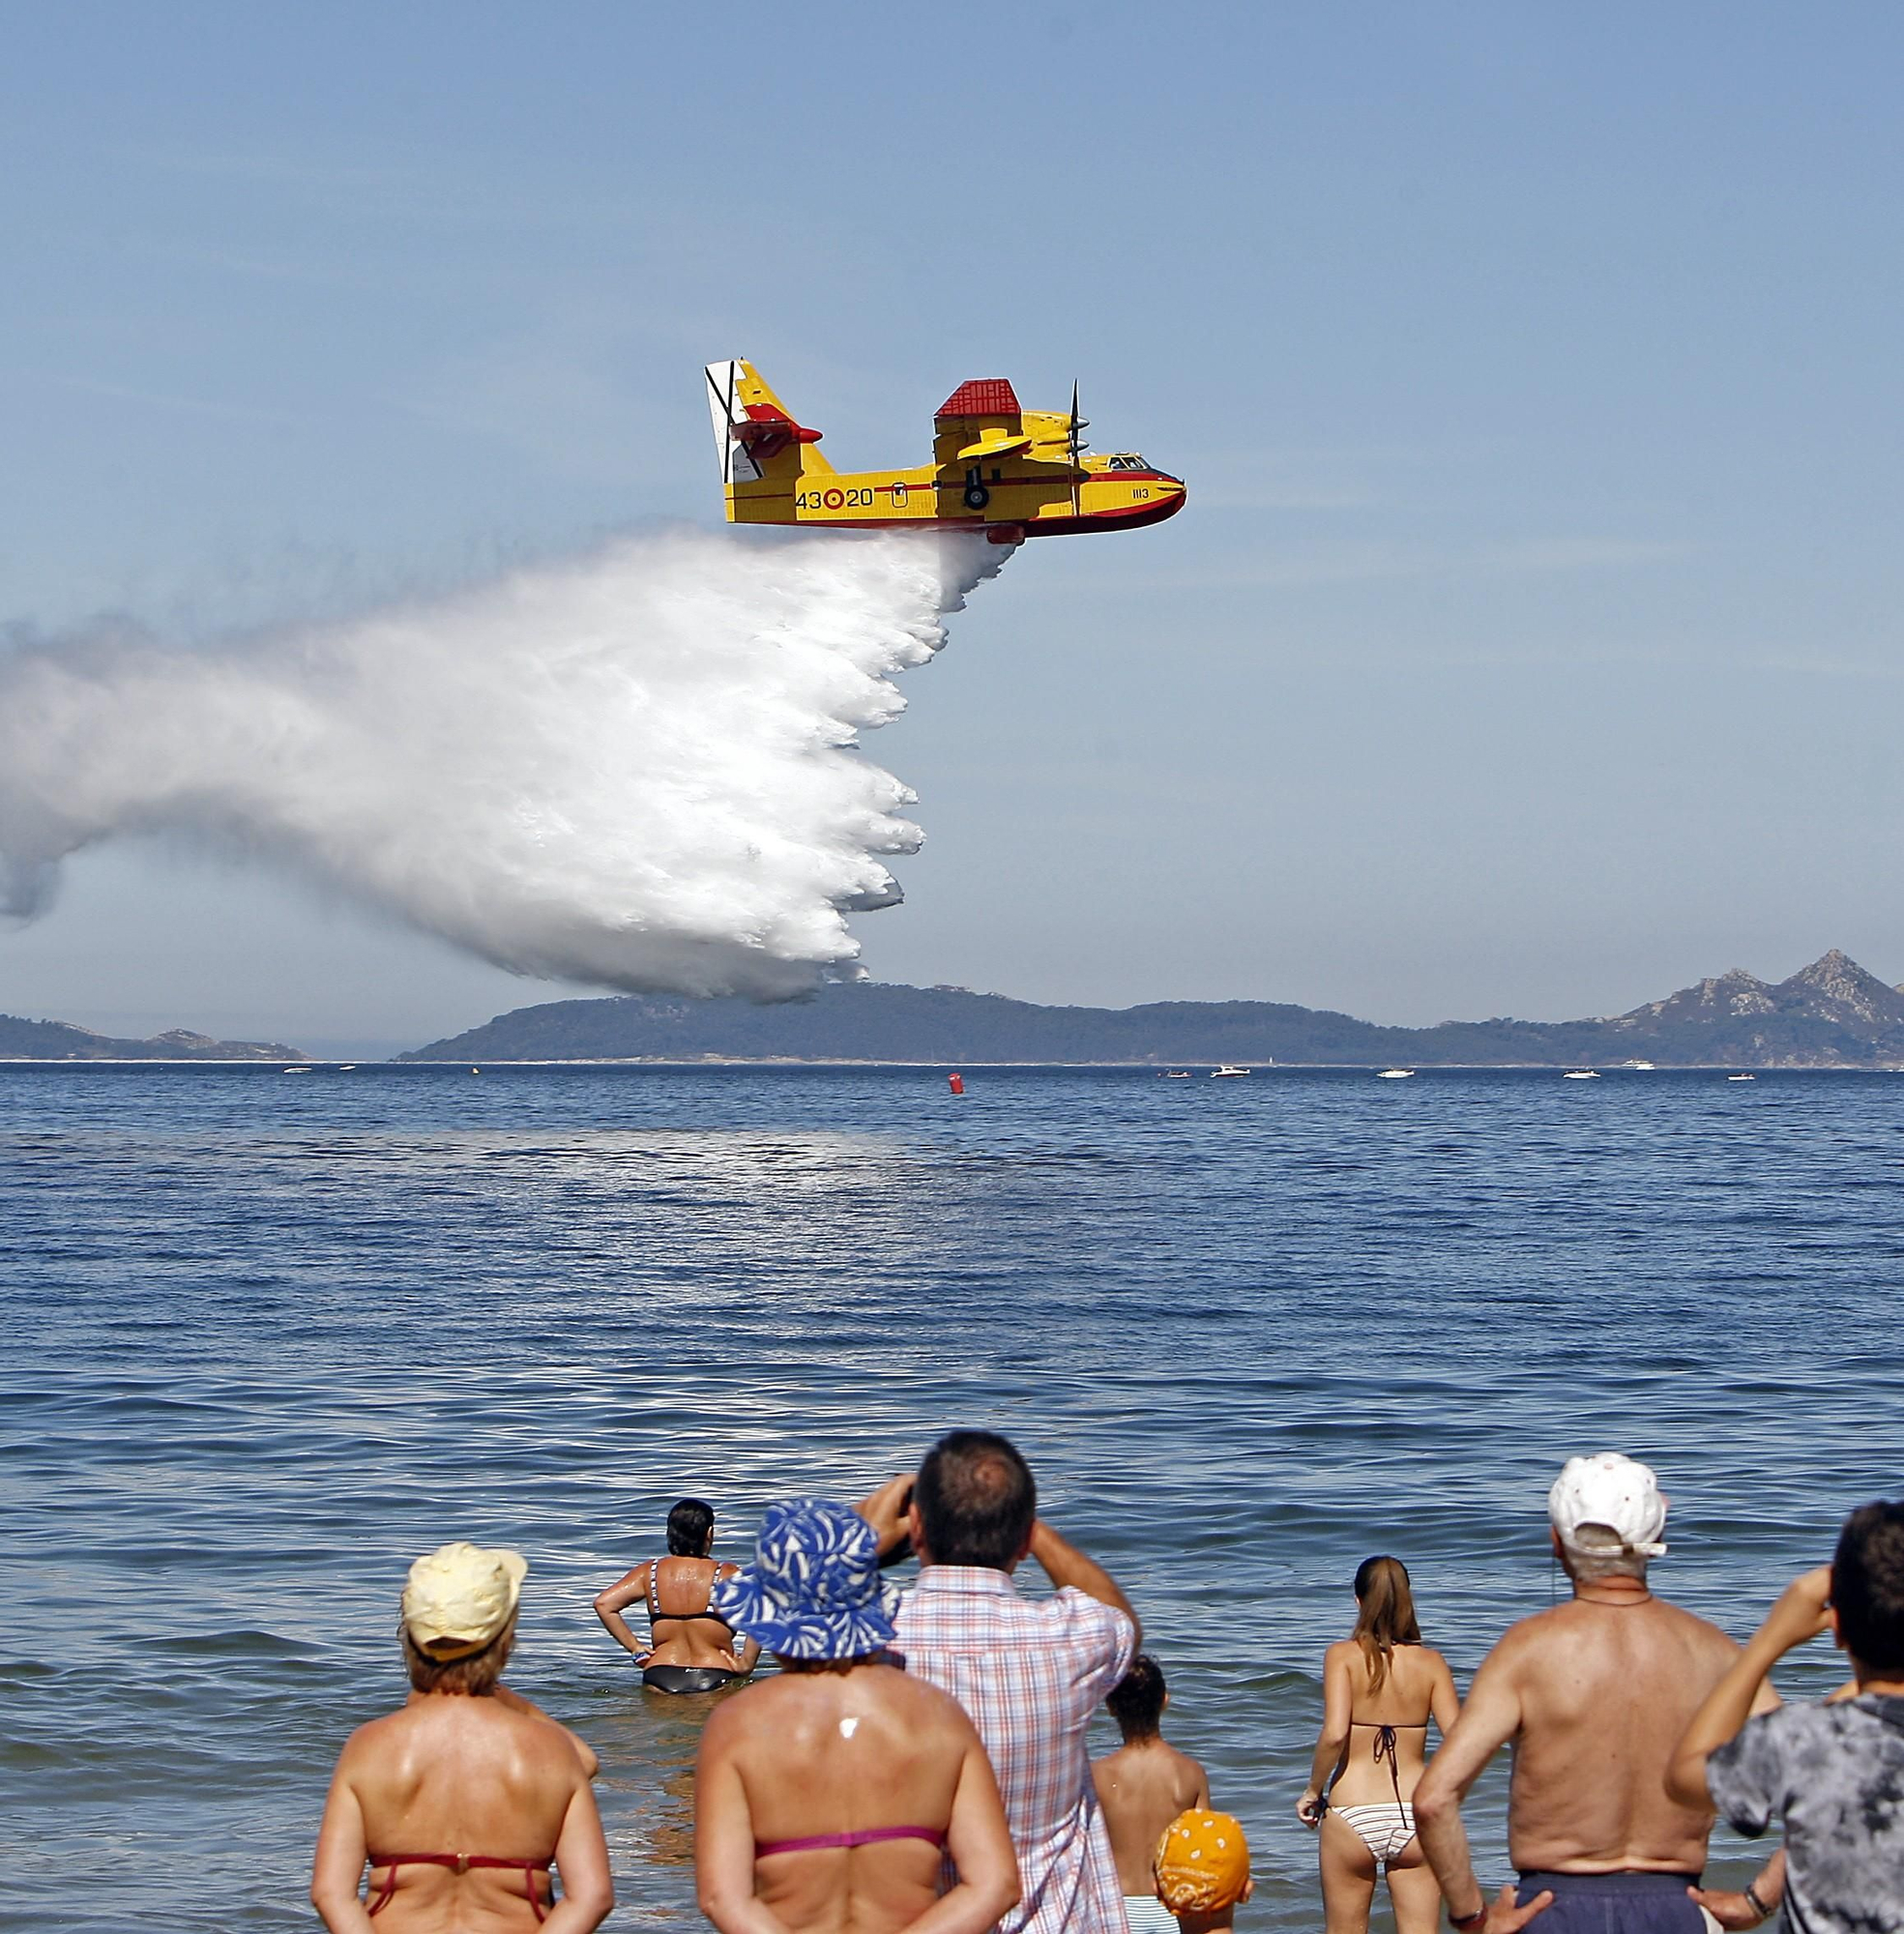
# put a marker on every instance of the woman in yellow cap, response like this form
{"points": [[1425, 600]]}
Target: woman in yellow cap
{"points": [[462, 1800]]}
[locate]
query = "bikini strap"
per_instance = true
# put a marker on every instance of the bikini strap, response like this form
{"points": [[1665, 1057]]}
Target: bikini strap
{"points": [[1385, 1748], [458, 1863], [863, 1837]]}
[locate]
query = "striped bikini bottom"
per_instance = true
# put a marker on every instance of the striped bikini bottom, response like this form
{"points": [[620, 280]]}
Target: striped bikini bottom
{"points": [[1385, 1829]]}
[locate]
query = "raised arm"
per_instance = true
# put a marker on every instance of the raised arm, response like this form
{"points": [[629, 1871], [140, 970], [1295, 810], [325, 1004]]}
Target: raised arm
{"points": [[1333, 1741], [1065, 1564], [887, 1512], [1801, 1613], [610, 1605], [1489, 1720]]}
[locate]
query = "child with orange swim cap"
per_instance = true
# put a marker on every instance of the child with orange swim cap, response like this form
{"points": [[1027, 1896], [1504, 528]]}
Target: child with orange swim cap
{"points": [[1202, 1871]]}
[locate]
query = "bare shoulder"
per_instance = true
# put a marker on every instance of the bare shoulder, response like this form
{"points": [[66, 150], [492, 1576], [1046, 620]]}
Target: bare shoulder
{"points": [[1526, 1639], [1701, 1637], [738, 1712], [380, 1733], [1339, 1650]]}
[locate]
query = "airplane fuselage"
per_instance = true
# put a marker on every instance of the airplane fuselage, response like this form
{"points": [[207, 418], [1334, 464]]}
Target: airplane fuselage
{"points": [[1010, 472]]}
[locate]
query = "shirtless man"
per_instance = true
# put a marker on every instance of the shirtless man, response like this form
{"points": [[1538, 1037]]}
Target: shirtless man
{"points": [[1142, 1787], [1594, 1695]]}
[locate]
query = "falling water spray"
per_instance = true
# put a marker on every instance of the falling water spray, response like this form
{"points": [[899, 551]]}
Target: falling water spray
{"points": [[638, 768]]}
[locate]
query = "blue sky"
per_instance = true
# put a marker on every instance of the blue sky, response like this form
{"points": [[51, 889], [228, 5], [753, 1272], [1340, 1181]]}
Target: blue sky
{"points": [[1529, 644]]}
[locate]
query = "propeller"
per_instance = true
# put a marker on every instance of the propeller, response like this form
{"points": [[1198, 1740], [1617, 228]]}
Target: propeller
{"points": [[1077, 446]]}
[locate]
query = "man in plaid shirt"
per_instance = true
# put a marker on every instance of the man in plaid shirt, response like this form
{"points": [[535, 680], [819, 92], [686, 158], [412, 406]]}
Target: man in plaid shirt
{"points": [[1030, 1672]]}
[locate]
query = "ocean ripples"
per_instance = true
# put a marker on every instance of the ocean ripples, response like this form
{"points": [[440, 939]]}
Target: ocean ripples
{"points": [[269, 1341]]}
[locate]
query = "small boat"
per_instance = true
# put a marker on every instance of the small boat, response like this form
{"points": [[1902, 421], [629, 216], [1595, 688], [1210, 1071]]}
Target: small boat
{"points": [[1739, 1077], [1396, 1074], [1226, 1072], [347, 1068], [297, 1070], [1581, 1075], [1172, 1074], [1638, 1065]]}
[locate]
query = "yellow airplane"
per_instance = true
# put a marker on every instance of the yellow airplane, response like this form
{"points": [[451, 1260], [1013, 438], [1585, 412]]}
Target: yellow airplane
{"points": [[1012, 473]]}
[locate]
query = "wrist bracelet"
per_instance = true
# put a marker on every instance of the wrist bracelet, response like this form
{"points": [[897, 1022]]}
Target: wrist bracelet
{"points": [[1466, 1924], [1752, 1893]]}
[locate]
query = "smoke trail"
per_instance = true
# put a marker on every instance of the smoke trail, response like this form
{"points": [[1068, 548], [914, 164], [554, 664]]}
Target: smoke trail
{"points": [[638, 768]]}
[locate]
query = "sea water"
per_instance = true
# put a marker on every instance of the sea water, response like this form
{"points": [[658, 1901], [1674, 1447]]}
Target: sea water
{"points": [[269, 1338]]}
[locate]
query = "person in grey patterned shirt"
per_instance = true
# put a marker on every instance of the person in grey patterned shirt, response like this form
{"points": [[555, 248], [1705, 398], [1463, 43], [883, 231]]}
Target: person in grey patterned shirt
{"points": [[1833, 1772]]}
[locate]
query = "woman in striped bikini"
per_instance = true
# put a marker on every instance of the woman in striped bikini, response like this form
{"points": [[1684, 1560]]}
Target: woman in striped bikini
{"points": [[1380, 1687], [828, 1795]]}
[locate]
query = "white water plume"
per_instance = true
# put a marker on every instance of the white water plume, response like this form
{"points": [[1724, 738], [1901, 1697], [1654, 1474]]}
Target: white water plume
{"points": [[639, 769]]}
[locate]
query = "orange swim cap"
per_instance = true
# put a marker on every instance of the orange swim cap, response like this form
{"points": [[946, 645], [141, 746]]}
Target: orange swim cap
{"points": [[1202, 1864]]}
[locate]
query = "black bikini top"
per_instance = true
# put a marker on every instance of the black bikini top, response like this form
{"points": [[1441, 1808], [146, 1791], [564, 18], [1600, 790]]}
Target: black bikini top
{"points": [[655, 1601]]}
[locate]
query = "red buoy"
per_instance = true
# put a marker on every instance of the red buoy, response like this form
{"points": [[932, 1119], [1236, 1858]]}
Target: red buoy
{"points": [[958, 1084]]}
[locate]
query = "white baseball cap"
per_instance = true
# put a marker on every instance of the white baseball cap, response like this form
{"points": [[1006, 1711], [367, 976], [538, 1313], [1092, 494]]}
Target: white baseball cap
{"points": [[1608, 1505]]}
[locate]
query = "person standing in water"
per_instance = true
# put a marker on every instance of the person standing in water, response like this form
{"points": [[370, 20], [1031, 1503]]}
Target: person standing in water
{"points": [[1031, 1671], [1380, 1687], [831, 1795], [693, 1648], [461, 1800], [1141, 1789], [1593, 1695]]}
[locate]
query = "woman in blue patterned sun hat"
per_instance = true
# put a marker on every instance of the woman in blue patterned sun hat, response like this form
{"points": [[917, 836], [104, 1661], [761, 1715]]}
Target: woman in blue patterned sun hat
{"points": [[813, 1590], [833, 1792]]}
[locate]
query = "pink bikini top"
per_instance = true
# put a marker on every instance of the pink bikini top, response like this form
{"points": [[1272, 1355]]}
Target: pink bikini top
{"points": [[865, 1836]]}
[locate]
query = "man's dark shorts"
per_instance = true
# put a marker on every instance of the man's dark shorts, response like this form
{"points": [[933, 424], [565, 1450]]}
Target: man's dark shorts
{"points": [[1613, 1903]]}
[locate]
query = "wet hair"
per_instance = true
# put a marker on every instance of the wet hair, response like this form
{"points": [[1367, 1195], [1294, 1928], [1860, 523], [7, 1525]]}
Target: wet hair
{"points": [[1137, 1700], [1384, 1614], [688, 1525], [1867, 1585], [977, 1500], [474, 1675]]}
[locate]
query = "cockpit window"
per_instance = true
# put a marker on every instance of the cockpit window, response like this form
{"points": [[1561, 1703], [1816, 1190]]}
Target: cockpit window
{"points": [[1126, 461]]}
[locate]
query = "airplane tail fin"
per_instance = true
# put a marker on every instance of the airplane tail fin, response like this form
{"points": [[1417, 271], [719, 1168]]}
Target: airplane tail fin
{"points": [[754, 436]]}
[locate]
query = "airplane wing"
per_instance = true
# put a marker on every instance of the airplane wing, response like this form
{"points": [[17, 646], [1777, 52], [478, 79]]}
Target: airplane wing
{"points": [[997, 445]]}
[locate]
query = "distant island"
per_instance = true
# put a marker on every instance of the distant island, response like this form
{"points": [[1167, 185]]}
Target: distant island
{"points": [[60, 1040], [1830, 1014]]}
